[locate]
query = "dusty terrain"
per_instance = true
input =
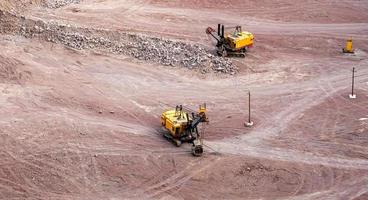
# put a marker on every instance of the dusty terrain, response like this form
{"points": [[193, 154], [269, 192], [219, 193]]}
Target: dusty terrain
{"points": [[80, 114]]}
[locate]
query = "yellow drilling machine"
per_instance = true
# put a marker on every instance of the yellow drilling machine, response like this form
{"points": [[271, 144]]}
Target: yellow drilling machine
{"points": [[183, 127], [236, 42]]}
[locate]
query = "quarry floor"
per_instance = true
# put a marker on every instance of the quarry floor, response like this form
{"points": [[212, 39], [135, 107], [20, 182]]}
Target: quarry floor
{"points": [[85, 124]]}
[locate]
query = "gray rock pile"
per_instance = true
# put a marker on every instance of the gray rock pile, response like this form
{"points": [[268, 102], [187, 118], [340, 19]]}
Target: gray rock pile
{"points": [[58, 3], [151, 49]]}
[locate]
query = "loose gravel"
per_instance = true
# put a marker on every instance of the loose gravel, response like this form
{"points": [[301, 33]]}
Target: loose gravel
{"points": [[58, 3], [163, 51]]}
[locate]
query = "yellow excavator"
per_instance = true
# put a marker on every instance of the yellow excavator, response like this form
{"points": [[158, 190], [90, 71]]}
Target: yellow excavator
{"points": [[182, 127], [236, 42]]}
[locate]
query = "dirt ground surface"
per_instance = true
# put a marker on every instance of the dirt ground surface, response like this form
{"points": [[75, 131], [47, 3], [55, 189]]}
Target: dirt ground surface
{"points": [[85, 123]]}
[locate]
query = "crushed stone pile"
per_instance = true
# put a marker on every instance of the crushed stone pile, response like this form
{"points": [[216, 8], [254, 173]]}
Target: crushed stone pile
{"points": [[18, 6], [58, 3], [142, 47]]}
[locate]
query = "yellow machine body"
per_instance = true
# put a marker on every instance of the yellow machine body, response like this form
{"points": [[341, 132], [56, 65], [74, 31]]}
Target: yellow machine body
{"points": [[175, 122], [239, 40], [349, 46]]}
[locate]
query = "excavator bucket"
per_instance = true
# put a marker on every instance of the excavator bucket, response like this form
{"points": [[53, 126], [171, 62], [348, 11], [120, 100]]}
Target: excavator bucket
{"points": [[209, 30], [197, 150]]}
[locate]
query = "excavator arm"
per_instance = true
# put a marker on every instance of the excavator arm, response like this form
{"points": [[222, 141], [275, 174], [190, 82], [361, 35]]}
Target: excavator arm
{"points": [[212, 32], [197, 148], [196, 121], [219, 37]]}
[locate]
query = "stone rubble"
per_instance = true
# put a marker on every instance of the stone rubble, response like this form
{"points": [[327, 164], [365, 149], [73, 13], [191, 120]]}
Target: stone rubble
{"points": [[58, 3], [142, 47]]}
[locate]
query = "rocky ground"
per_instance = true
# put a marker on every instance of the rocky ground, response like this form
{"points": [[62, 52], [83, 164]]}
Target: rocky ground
{"points": [[142, 47], [83, 85], [58, 3]]}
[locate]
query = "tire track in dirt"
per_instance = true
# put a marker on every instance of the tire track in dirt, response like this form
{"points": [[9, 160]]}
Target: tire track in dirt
{"points": [[47, 167], [251, 144], [272, 153], [84, 173], [176, 181], [350, 189]]}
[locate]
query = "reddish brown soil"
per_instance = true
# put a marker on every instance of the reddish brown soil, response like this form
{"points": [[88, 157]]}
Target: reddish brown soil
{"points": [[85, 125], [337, 126], [286, 11]]}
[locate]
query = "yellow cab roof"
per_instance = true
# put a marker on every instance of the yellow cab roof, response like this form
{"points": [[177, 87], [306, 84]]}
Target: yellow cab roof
{"points": [[240, 35], [170, 115]]}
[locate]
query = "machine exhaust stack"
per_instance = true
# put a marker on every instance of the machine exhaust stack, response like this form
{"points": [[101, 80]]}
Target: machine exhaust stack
{"points": [[223, 31], [219, 29]]}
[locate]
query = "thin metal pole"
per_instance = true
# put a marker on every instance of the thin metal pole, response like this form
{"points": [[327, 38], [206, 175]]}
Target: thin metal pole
{"points": [[249, 107], [352, 83]]}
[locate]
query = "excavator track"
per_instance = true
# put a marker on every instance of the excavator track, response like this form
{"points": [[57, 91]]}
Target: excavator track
{"points": [[172, 140]]}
